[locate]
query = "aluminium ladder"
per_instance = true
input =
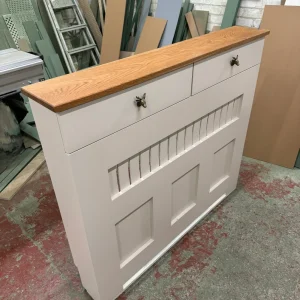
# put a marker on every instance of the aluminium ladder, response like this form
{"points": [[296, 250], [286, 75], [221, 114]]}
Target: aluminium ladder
{"points": [[70, 29]]}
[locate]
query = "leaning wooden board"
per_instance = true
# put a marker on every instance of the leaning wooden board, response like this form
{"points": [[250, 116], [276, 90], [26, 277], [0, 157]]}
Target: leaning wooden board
{"points": [[113, 28], [148, 163], [98, 82], [151, 34], [274, 134]]}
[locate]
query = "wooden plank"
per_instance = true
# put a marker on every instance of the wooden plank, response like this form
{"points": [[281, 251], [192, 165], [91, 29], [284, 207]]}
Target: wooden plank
{"points": [[273, 134], [24, 45], [230, 13], [113, 28], [32, 33], [151, 34], [144, 14], [91, 84], [124, 54], [168, 10], [216, 28], [191, 24], [201, 19], [91, 21]]}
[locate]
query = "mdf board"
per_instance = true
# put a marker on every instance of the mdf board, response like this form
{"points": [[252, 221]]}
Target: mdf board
{"points": [[113, 28], [168, 10], [201, 19], [144, 14], [273, 134], [151, 34], [192, 25]]}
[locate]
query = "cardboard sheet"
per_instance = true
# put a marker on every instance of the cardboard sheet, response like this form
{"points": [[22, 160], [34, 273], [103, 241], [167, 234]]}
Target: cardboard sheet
{"points": [[113, 28], [274, 129], [151, 34]]}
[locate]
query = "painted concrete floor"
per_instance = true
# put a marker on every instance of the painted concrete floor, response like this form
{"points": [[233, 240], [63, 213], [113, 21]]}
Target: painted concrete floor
{"points": [[247, 248]]}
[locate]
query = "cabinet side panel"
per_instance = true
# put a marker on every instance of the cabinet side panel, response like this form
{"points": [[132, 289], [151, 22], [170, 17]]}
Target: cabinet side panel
{"points": [[61, 177]]}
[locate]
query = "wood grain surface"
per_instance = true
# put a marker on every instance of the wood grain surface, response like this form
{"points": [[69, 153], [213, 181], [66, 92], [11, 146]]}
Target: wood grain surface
{"points": [[60, 94]]}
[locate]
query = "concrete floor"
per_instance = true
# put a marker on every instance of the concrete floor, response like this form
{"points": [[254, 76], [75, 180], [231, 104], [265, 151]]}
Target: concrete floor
{"points": [[247, 248]]}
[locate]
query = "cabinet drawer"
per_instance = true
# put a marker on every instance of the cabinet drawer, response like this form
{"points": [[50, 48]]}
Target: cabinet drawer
{"points": [[91, 122], [217, 69]]}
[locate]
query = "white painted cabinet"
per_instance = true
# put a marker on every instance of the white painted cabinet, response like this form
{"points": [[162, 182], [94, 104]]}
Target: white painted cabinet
{"points": [[131, 181]]}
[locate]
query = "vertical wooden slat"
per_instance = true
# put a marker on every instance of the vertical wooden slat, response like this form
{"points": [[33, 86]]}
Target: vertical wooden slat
{"points": [[196, 132], [229, 112], [134, 167], [145, 163], [180, 141], [217, 119], [123, 173], [188, 141], [172, 145], [210, 123], [154, 157], [203, 127], [223, 115], [114, 187], [163, 151]]}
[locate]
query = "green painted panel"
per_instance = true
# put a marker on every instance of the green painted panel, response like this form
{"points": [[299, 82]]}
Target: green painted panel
{"points": [[56, 63], [32, 33], [297, 164], [230, 13], [43, 33], [182, 24]]}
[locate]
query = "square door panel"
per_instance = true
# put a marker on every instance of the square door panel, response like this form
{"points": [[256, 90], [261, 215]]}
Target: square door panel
{"points": [[221, 165], [184, 193], [134, 232]]}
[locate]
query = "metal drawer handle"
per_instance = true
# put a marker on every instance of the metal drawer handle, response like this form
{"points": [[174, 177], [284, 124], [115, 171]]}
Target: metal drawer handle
{"points": [[235, 61], [141, 101]]}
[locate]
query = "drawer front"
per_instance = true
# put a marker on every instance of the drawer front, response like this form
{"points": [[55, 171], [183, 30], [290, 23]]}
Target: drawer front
{"points": [[94, 121], [210, 72]]}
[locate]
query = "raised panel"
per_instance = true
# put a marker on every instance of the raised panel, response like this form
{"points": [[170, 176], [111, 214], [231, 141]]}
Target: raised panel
{"points": [[134, 231], [221, 164], [184, 193]]}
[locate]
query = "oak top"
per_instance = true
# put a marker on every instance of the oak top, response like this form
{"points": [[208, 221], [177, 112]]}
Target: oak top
{"points": [[69, 91]]}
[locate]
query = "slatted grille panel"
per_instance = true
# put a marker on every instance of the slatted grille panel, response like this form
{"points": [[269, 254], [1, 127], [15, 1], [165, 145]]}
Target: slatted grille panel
{"points": [[143, 164], [11, 26]]}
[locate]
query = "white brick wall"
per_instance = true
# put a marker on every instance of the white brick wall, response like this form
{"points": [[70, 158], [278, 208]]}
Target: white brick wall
{"points": [[249, 14]]}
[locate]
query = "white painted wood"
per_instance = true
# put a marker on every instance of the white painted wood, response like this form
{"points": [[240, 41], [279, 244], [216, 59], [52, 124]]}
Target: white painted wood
{"points": [[134, 167], [107, 115], [196, 132], [188, 141], [203, 128], [123, 174], [211, 71], [210, 123], [154, 157], [223, 115], [180, 141], [113, 180], [145, 163], [163, 151], [229, 115], [172, 166], [172, 146], [217, 119]]}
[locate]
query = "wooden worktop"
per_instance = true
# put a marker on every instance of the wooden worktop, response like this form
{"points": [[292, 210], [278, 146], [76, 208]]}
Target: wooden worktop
{"points": [[69, 91]]}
